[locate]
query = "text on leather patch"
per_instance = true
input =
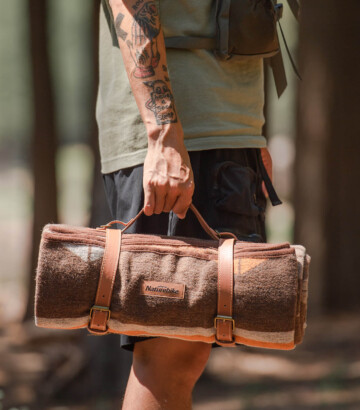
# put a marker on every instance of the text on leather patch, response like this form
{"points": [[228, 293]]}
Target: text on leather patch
{"points": [[162, 289]]}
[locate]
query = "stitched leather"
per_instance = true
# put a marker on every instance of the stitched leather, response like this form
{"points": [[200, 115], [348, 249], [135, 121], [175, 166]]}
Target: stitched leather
{"points": [[99, 318], [224, 327], [211, 232]]}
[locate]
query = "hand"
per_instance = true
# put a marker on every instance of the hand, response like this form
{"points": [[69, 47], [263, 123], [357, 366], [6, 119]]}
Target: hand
{"points": [[266, 158], [168, 178]]}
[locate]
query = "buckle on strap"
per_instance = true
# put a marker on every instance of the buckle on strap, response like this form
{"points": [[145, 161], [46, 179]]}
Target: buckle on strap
{"points": [[224, 319], [101, 309]]}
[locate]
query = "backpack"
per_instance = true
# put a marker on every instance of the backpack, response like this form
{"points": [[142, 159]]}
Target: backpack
{"points": [[246, 28]]}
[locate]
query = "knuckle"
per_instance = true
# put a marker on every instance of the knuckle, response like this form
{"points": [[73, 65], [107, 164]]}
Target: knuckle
{"points": [[161, 185]]}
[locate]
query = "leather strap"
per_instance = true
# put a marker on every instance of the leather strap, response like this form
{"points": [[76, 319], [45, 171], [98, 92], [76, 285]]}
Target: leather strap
{"points": [[100, 312], [224, 322], [211, 232]]}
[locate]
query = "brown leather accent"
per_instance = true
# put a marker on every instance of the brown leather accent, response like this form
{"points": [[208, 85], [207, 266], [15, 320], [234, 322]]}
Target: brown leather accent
{"points": [[211, 232], [224, 322], [162, 289], [100, 312]]}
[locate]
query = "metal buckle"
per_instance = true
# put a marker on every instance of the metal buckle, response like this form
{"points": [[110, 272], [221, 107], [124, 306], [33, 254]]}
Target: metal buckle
{"points": [[224, 319], [102, 309]]}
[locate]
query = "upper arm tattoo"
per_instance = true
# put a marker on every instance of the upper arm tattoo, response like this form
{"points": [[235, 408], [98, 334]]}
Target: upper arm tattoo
{"points": [[144, 42], [143, 47]]}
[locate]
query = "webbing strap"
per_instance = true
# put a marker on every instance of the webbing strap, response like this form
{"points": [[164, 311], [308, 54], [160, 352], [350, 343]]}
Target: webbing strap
{"points": [[294, 7], [289, 54], [275, 200], [276, 63], [190, 42]]}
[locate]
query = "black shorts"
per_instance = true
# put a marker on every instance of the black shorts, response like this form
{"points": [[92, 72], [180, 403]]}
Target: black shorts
{"points": [[227, 193]]}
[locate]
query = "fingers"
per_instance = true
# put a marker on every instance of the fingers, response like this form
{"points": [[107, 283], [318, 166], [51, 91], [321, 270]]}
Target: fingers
{"points": [[149, 200], [159, 199], [170, 200], [183, 201], [160, 194]]}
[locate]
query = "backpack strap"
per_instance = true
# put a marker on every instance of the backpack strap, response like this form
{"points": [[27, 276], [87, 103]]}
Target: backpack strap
{"points": [[294, 7], [276, 63], [190, 42]]}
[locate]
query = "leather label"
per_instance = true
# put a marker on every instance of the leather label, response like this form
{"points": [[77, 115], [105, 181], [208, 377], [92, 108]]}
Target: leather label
{"points": [[162, 289]]}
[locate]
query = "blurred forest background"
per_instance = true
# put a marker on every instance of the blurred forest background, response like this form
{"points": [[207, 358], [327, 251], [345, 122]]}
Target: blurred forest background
{"points": [[49, 171]]}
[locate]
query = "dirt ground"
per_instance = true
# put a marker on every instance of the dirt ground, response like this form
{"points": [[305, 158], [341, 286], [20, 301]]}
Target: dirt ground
{"points": [[37, 366]]}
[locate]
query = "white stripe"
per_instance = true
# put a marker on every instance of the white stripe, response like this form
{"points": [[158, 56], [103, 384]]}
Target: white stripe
{"points": [[273, 337], [86, 252], [267, 337]]}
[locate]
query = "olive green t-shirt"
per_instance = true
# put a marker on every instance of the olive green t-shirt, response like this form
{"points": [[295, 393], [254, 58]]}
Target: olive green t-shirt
{"points": [[219, 103]]}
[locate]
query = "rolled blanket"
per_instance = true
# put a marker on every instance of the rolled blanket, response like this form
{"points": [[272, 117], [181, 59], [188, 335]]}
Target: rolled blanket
{"points": [[167, 286]]}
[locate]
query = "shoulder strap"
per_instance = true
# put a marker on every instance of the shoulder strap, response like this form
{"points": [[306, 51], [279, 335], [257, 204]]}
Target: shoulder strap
{"points": [[190, 42], [294, 7], [276, 61]]}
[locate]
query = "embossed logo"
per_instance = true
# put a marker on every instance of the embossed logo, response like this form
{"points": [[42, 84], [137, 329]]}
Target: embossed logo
{"points": [[162, 289]]}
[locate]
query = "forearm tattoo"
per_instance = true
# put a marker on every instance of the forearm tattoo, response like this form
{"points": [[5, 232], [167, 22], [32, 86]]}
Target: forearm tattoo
{"points": [[161, 102], [119, 31], [144, 51]]}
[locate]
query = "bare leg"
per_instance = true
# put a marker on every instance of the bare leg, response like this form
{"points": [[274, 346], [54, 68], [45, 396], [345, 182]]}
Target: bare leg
{"points": [[164, 373]]}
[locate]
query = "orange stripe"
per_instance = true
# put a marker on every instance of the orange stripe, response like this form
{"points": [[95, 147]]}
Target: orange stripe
{"points": [[211, 339], [206, 339], [269, 345], [62, 327]]}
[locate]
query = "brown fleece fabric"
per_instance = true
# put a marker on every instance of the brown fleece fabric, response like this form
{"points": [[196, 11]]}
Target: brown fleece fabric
{"points": [[270, 283]]}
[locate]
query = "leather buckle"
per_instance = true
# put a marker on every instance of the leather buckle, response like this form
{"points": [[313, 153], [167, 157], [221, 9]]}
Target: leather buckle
{"points": [[224, 319], [102, 309], [225, 343]]}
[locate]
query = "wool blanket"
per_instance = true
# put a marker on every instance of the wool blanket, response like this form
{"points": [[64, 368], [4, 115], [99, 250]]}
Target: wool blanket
{"points": [[167, 286]]}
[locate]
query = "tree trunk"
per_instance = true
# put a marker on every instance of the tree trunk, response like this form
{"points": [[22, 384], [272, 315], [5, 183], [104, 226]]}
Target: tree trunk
{"points": [[44, 139], [328, 146]]}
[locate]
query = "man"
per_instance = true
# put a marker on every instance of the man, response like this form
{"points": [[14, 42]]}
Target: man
{"points": [[176, 126]]}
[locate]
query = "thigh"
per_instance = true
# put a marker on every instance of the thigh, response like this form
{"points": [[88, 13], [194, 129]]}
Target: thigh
{"points": [[228, 194]]}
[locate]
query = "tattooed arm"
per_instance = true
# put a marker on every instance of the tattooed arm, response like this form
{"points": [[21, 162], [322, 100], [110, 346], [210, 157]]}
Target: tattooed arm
{"points": [[168, 177]]}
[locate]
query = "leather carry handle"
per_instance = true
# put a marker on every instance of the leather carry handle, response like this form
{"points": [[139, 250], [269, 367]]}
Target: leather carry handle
{"points": [[211, 232]]}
